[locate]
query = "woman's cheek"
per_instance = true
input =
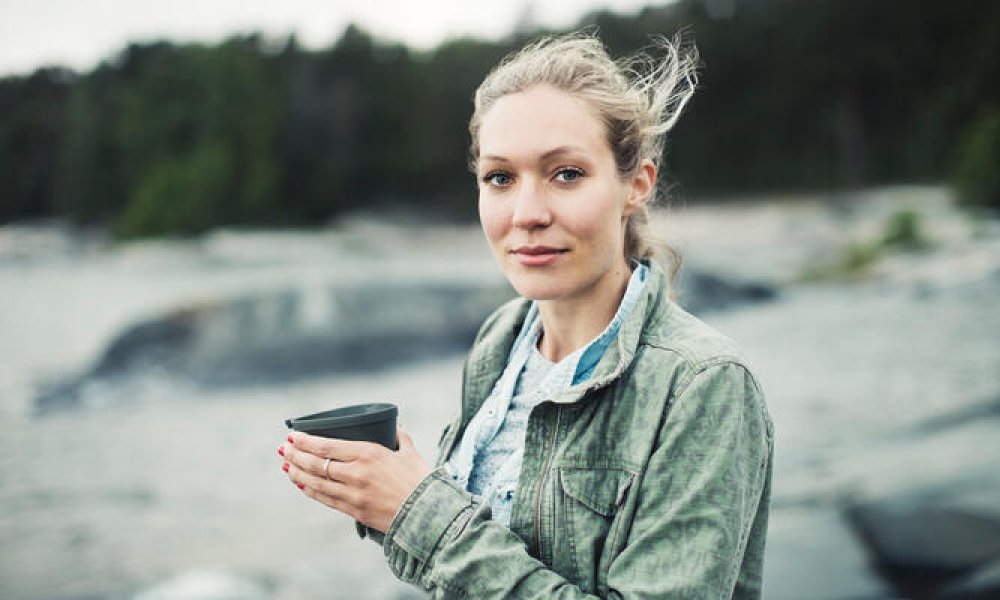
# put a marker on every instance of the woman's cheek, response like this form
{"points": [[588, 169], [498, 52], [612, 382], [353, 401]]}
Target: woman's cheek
{"points": [[493, 220]]}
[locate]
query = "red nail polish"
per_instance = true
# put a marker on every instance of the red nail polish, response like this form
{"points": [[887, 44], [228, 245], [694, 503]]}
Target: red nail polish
{"points": [[290, 440], [301, 487], [281, 450], [285, 467]]}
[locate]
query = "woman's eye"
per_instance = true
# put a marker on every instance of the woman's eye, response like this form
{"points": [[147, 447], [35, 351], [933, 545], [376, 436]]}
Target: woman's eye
{"points": [[568, 175], [498, 179]]}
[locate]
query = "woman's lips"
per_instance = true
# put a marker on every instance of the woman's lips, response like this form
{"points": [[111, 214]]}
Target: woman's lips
{"points": [[537, 256]]}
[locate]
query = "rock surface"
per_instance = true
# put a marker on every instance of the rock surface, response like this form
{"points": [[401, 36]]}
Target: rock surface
{"points": [[922, 547], [876, 388], [981, 584], [286, 335], [290, 334]]}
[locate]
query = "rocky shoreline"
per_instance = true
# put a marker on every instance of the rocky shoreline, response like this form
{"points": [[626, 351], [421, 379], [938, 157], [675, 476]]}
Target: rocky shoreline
{"points": [[882, 376], [884, 382]]}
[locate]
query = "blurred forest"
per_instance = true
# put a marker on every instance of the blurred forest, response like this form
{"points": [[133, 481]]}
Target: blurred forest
{"points": [[168, 139]]}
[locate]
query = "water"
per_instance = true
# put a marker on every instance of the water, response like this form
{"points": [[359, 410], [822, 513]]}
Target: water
{"points": [[168, 481]]}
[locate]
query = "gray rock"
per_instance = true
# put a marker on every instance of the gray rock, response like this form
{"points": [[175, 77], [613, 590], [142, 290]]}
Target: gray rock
{"points": [[921, 547], [285, 335], [700, 291], [290, 334], [981, 584], [988, 409], [205, 585]]}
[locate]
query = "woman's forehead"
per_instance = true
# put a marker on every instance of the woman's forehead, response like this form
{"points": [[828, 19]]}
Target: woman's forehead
{"points": [[541, 121]]}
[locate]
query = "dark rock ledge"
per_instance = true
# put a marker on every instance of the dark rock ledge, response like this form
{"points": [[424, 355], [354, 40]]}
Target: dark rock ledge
{"points": [[931, 551]]}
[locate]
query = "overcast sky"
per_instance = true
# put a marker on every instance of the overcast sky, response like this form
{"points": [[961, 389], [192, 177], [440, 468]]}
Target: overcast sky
{"points": [[79, 33]]}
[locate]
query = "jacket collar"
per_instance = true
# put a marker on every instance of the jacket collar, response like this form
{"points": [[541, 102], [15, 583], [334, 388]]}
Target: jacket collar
{"points": [[488, 358], [619, 355]]}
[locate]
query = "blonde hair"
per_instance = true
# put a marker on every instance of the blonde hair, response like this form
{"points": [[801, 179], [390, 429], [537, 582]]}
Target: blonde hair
{"points": [[639, 99]]}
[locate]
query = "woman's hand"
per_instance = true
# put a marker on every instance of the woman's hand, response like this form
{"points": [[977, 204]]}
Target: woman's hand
{"points": [[363, 480]]}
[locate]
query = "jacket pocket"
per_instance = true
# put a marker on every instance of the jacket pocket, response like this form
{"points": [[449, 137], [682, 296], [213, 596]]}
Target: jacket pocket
{"points": [[591, 524]]}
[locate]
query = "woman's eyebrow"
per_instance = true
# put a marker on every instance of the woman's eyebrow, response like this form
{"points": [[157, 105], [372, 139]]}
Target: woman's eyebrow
{"points": [[548, 154], [560, 151]]}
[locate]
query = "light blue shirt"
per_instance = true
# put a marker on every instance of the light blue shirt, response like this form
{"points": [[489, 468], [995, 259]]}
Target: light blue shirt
{"points": [[488, 460]]}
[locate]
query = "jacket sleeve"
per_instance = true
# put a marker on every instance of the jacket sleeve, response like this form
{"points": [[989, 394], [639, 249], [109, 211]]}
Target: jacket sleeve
{"points": [[688, 537]]}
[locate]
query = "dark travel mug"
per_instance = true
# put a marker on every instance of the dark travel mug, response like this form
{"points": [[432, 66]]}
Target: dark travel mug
{"points": [[373, 422]]}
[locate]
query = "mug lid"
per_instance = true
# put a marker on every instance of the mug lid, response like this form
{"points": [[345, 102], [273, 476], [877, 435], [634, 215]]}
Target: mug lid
{"points": [[348, 416]]}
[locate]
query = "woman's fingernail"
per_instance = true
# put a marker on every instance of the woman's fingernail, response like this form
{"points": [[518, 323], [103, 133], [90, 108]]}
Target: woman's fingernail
{"points": [[281, 450], [290, 440], [285, 467], [300, 486]]}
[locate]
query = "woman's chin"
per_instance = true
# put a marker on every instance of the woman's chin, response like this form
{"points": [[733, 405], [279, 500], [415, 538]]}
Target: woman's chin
{"points": [[540, 291]]}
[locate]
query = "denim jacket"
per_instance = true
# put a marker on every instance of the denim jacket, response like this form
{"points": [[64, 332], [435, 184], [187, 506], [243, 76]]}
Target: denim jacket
{"points": [[651, 479]]}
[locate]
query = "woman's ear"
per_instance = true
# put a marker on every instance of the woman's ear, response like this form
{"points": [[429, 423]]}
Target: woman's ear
{"points": [[641, 187]]}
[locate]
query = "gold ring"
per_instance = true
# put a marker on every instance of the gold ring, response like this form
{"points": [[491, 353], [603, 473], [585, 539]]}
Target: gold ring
{"points": [[326, 466]]}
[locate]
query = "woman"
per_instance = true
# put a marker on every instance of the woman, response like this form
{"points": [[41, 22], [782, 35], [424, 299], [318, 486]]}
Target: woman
{"points": [[609, 444]]}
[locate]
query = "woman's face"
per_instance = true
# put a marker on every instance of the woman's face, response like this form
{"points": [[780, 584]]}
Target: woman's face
{"points": [[551, 202]]}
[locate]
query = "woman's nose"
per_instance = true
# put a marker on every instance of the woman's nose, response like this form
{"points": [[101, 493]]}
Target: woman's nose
{"points": [[531, 208]]}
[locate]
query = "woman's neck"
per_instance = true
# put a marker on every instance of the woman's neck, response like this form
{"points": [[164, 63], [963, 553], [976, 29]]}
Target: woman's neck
{"points": [[570, 323]]}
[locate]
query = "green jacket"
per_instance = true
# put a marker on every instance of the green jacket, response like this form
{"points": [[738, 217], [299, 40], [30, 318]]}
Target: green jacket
{"points": [[649, 480]]}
